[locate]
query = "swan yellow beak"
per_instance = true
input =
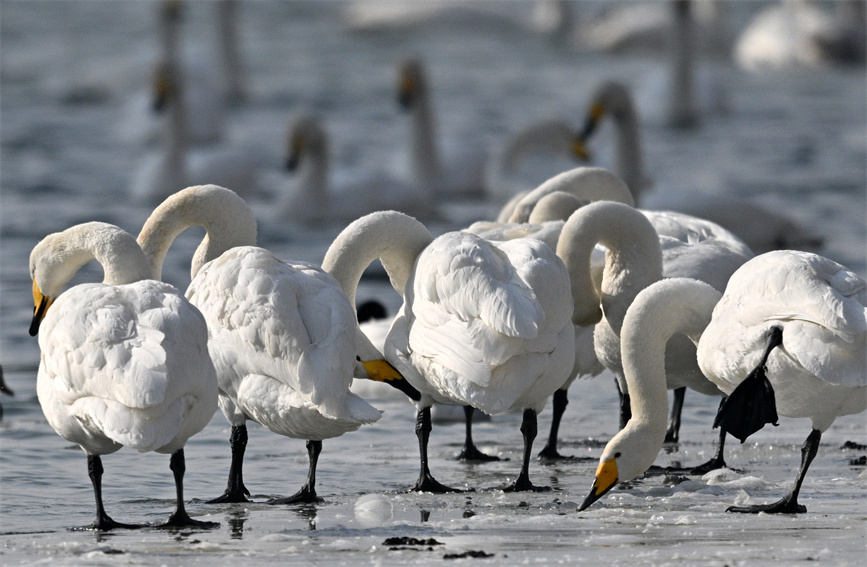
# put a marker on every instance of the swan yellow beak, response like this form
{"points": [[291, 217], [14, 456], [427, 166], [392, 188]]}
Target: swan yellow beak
{"points": [[579, 144], [382, 371], [606, 478], [41, 303]]}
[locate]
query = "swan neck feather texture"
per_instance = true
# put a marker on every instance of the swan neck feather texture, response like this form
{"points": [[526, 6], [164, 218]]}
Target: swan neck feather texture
{"points": [[58, 256], [633, 260], [666, 308], [584, 183], [396, 239], [226, 218]]}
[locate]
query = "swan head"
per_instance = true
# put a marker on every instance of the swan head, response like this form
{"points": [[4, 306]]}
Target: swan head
{"points": [[627, 456], [57, 257], [166, 87], [411, 83], [306, 137], [610, 98]]}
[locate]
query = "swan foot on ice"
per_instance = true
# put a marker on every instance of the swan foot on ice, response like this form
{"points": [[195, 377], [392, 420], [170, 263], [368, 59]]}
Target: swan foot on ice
{"points": [[236, 492], [752, 404], [307, 494], [789, 503], [470, 452], [180, 518], [528, 430], [426, 482]]}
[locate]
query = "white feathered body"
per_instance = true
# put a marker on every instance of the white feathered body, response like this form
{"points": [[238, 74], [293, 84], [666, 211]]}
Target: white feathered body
{"points": [[691, 248], [125, 366], [486, 324], [820, 370], [280, 360]]}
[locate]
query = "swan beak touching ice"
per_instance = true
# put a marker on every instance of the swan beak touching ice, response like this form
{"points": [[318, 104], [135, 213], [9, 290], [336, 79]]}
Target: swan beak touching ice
{"points": [[41, 303], [382, 371], [606, 479]]}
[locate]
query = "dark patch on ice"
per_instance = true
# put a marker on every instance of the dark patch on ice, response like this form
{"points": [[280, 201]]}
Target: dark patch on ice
{"points": [[673, 479], [406, 542], [859, 462], [854, 446], [472, 553], [111, 551]]}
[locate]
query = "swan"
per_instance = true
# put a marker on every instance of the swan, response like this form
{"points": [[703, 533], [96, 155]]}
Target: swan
{"points": [[203, 95], [787, 337], [760, 228], [316, 197], [661, 311], [506, 171], [798, 34], [800, 320], [545, 223], [175, 165], [483, 324], [123, 362], [444, 170], [643, 247], [283, 336]]}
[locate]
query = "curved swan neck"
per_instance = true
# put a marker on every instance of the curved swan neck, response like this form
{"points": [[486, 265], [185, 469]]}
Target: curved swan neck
{"points": [[226, 218], [666, 308], [584, 183], [616, 101], [56, 259], [395, 238], [633, 260], [556, 206]]}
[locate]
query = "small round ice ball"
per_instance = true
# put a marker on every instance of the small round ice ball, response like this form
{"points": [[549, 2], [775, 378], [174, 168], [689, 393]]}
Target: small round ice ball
{"points": [[373, 510]]}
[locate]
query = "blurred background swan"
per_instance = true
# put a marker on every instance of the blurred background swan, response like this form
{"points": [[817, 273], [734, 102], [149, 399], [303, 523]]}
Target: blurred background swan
{"points": [[175, 165], [321, 194], [447, 168], [800, 33], [214, 77]]}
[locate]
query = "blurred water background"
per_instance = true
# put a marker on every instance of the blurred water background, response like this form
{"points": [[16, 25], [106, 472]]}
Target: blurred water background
{"points": [[76, 125]]}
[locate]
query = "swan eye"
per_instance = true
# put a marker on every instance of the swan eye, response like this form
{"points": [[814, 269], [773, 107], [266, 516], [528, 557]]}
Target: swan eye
{"points": [[358, 358], [617, 455]]}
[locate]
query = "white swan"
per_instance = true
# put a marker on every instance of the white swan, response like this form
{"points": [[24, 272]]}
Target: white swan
{"points": [[639, 251], [444, 169], [800, 320], [760, 228], [661, 311], [483, 324], [283, 336], [787, 337], [798, 34], [203, 95], [124, 362], [317, 196], [545, 223], [175, 164]]}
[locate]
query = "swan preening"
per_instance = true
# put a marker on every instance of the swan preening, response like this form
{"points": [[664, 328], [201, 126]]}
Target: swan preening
{"points": [[124, 362], [283, 335], [787, 337], [483, 324], [319, 195]]}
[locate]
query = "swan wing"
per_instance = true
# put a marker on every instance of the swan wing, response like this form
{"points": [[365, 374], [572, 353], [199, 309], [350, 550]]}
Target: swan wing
{"points": [[132, 365], [477, 304], [289, 321], [821, 306]]}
